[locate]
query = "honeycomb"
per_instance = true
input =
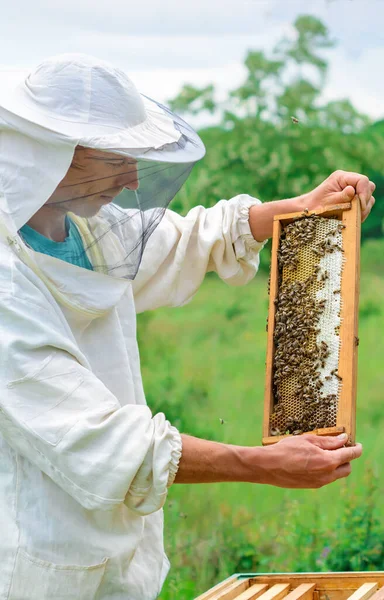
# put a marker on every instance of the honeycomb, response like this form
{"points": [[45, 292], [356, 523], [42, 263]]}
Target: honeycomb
{"points": [[306, 384]]}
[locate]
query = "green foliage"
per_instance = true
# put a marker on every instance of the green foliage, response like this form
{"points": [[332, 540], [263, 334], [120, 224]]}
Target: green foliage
{"points": [[194, 100], [253, 93], [372, 259], [165, 391], [374, 226], [312, 37], [369, 309], [357, 544]]}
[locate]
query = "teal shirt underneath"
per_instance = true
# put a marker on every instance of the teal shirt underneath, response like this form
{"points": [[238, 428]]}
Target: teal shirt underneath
{"points": [[71, 250]]}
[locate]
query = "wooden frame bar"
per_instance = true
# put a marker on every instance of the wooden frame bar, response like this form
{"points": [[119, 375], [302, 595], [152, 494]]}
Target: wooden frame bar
{"points": [[350, 216], [253, 592], [300, 586], [365, 591]]}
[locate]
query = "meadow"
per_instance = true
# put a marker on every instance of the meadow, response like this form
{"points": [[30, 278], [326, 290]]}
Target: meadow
{"points": [[203, 364]]}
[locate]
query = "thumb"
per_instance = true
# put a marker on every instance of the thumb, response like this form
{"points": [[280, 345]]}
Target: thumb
{"points": [[347, 194], [330, 442]]}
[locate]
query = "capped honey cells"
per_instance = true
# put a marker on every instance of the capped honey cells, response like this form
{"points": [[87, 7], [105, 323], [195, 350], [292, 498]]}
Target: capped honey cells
{"points": [[306, 383]]}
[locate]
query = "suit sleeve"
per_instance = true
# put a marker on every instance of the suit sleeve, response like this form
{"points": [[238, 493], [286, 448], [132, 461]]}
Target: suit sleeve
{"points": [[183, 249], [55, 412]]}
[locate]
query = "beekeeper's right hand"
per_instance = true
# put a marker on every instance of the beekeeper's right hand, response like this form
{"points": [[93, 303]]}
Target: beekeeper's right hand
{"points": [[308, 461], [304, 461]]}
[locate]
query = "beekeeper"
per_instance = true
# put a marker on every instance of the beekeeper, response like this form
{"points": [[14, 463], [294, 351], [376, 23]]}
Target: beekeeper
{"points": [[88, 167]]}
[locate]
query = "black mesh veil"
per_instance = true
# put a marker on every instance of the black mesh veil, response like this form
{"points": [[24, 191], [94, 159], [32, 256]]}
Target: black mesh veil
{"points": [[116, 197]]}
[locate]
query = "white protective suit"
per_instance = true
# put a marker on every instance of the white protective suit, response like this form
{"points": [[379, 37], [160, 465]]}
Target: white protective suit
{"points": [[84, 465]]}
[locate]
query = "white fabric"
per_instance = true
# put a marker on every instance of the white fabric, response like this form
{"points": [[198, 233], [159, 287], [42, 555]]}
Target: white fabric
{"points": [[78, 95], [85, 467]]}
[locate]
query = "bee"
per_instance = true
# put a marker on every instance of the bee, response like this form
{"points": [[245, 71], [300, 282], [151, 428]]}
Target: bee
{"points": [[222, 421], [357, 341], [275, 431], [295, 120]]}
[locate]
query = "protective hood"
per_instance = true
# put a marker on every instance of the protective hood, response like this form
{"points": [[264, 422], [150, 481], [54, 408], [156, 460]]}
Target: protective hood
{"points": [[136, 156]]}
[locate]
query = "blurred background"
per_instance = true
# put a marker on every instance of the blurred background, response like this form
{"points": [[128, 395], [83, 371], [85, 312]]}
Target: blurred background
{"points": [[239, 71]]}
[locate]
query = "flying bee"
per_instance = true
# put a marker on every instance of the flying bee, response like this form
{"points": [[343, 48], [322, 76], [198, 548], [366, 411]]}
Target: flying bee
{"points": [[222, 421]]}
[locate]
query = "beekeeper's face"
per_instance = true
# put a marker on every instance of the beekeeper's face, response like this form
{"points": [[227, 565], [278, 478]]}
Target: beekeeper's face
{"points": [[94, 178]]}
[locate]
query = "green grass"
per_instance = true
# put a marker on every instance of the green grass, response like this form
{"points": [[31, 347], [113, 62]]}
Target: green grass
{"points": [[205, 362]]}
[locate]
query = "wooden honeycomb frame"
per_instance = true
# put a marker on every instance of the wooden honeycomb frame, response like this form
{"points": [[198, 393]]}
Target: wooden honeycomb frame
{"points": [[350, 216], [300, 586]]}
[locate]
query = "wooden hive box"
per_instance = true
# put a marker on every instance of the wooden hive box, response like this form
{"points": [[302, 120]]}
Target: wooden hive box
{"points": [[300, 586], [343, 223]]}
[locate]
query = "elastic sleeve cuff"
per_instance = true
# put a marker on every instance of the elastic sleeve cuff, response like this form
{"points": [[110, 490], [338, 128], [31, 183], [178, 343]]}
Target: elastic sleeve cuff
{"points": [[175, 456], [245, 245]]}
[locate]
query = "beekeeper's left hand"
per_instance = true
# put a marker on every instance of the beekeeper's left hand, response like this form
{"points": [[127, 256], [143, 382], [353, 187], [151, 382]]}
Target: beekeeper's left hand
{"points": [[343, 186]]}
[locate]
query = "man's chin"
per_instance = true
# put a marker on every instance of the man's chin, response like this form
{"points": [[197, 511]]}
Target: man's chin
{"points": [[88, 210]]}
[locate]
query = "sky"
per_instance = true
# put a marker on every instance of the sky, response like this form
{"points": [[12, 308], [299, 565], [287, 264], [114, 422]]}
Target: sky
{"points": [[163, 44]]}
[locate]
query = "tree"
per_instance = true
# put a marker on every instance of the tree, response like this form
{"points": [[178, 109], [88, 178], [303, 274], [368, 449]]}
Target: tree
{"points": [[261, 73], [193, 100]]}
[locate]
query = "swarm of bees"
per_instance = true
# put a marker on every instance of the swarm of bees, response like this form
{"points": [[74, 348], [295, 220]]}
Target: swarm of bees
{"points": [[300, 354]]}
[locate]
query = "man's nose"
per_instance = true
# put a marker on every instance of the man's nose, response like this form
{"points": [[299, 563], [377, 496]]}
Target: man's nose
{"points": [[129, 180]]}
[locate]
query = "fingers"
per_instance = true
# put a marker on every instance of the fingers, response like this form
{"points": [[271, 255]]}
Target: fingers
{"points": [[345, 455], [363, 186], [370, 204], [348, 193], [328, 442], [342, 471]]}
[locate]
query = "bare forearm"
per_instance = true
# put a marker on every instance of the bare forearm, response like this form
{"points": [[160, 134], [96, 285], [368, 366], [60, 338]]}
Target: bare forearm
{"points": [[203, 461], [261, 215]]}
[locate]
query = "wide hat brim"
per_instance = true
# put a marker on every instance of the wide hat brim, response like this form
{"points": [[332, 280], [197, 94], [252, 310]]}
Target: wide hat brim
{"points": [[158, 137]]}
